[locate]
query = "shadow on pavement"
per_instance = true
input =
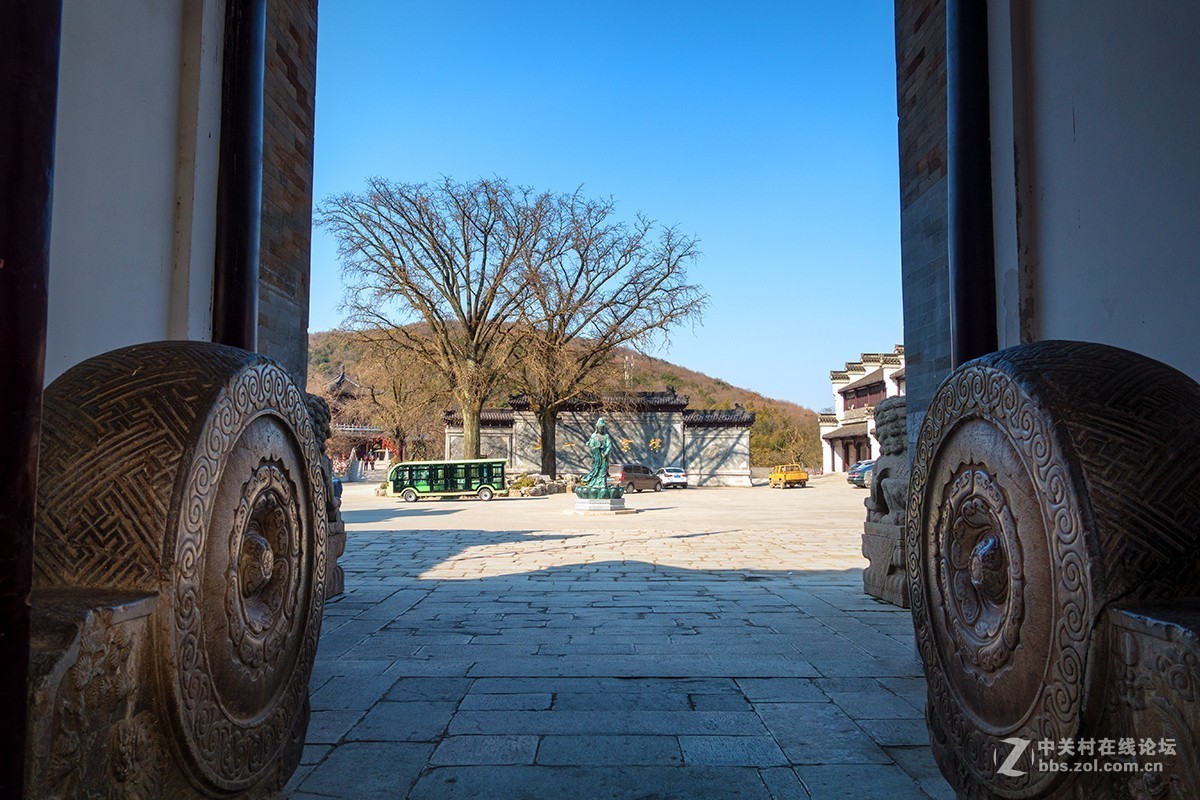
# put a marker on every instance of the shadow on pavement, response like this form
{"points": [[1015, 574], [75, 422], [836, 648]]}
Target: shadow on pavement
{"points": [[385, 514]]}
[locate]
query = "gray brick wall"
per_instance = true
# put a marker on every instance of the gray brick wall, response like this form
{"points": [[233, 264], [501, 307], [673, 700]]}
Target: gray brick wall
{"points": [[921, 102], [926, 286], [290, 89]]}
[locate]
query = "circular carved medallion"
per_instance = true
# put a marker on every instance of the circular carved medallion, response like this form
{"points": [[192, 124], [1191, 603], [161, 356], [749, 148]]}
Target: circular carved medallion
{"points": [[980, 580], [263, 570], [248, 578]]}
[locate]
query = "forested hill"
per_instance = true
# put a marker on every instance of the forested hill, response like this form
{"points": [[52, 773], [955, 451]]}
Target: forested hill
{"points": [[782, 431]]}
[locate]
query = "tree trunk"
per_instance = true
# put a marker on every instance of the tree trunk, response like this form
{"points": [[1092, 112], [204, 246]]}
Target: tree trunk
{"points": [[471, 412], [548, 422]]}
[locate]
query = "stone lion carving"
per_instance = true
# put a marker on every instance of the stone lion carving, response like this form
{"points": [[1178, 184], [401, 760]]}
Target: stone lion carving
{"points": [[883, 534], [889, 487], [335, 576]]}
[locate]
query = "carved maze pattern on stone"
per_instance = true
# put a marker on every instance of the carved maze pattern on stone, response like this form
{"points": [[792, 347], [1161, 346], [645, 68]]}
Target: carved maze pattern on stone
{"points": [[114, 415], [1134, 428]]}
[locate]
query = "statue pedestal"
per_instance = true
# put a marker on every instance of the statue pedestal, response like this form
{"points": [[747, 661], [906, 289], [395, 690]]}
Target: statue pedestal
{"points": [[887, 577], [335, 576], [88, 705], [609, 505], [1153, 658]]}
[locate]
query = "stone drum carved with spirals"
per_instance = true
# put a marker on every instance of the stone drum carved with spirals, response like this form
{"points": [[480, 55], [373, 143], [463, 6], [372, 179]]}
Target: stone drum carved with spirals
{"points": [[1039, 495], [195, 478]]}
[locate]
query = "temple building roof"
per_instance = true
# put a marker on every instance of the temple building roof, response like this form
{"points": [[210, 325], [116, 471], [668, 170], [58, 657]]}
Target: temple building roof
{"points": [[488, 418], [856, 368], [667, 400], [343, 384]]}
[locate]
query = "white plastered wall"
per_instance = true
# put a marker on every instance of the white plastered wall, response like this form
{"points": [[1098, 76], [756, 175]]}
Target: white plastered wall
{"points": [[828, 456], [717, 456], [1096, 173], [134, 215], [839, 402]]}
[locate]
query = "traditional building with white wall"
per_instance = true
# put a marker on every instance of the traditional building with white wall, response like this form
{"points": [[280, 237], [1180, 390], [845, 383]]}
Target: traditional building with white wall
{"points": [[848, 433], [656, 429]]}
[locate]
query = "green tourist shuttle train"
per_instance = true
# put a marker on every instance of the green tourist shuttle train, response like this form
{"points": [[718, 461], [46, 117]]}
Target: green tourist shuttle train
{"points": [[478, 477]]}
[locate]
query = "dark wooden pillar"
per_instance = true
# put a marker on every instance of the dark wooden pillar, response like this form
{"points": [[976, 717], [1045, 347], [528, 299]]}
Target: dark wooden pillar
{"points": [[239, 179], [969, 183], [29, 42]]}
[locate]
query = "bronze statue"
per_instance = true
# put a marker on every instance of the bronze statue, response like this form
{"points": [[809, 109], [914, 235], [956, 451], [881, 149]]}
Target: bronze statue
{"points": [[600, 446]]}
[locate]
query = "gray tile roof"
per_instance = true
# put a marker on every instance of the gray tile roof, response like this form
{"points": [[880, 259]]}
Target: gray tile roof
{"points": [[489, 418], [875, 376], [848, 431], [718, 418], [624, 401]]}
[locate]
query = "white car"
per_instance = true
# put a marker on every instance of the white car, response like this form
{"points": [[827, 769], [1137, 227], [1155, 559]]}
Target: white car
{"points": [[672, 477]]}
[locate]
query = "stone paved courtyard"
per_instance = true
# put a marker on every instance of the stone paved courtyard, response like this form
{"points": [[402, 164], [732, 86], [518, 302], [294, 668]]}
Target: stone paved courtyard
{"points": [[715, 645]]}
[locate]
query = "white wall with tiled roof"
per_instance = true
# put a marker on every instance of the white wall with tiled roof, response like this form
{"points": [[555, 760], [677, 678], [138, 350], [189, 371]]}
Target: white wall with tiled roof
{"points": [[715, 450]]}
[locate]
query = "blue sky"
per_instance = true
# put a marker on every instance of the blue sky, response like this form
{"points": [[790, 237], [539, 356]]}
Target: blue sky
{"points": [[765, 129]]}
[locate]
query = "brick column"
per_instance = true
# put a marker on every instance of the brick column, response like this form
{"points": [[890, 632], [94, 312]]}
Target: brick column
{"points": [[921, 103], [288, 116]]}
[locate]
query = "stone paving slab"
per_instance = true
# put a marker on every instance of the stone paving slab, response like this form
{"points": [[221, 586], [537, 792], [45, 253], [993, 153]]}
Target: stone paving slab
{"points": [[496, 750], [717, 645], [850, 782], [819, 733], [732, 751], [404, 722], [612, 750], [506, 702], [594, 783], [368, 770], [634, 722]]}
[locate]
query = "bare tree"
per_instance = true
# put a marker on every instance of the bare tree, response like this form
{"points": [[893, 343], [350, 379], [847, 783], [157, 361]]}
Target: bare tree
{"points": [[406, 403], [802, 444], [455, 258], [783, 436], [611, 284]]}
